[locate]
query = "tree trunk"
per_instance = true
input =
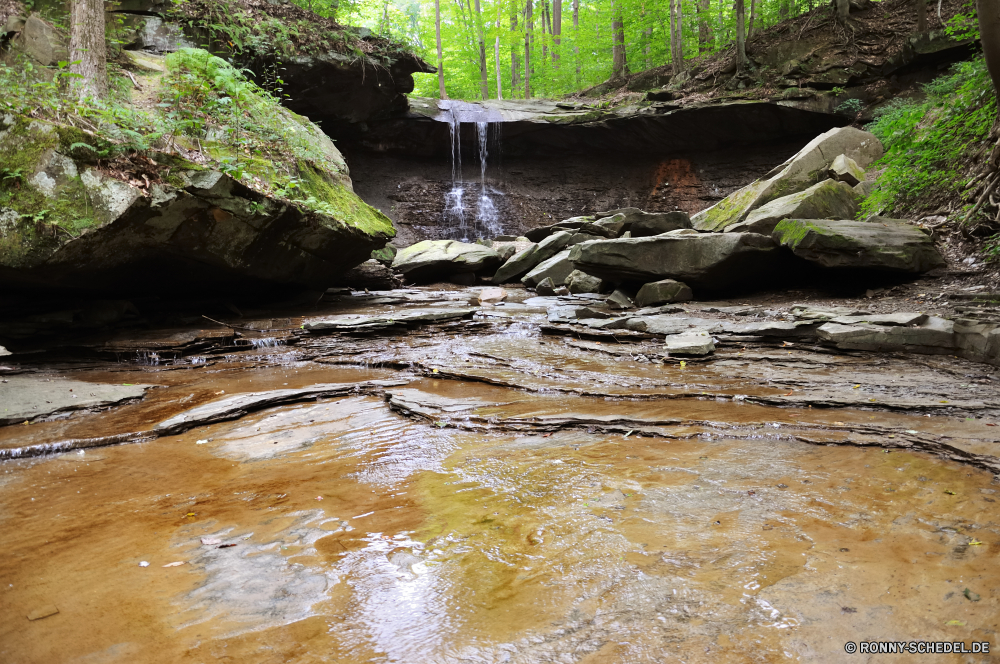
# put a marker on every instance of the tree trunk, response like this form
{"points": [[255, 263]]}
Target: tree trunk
{"points": [[484, 77], [87, 47], [783, 9], [844, 8], [528, 20], [741, 46], [989, 36], [515, 59], [496, 56], [556, 31], [753, 15], [921, 15], [705, 37], [676, 37], [437, 28], [619, 62], [576, 39]]}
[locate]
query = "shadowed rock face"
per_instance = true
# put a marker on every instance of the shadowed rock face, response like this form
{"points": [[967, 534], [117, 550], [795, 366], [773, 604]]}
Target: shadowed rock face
{"points": [[198, 230]]}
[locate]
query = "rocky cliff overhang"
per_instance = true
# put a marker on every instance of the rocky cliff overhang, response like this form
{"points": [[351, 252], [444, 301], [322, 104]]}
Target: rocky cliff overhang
{"points": [[548, 127], [335, 75]]}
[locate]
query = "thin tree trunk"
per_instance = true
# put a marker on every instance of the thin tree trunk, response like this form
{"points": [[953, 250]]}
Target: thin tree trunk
{"points": [[484, 80], [556, 31], [546, 28], [619, 61], [576, 39], [741, 47], [496, 55], [676, 37], [705, 37], [515, 59], [753, 13], [87, 47], [528, 24], [437, 28], [921, 15], [783, 10], [989, 36]]}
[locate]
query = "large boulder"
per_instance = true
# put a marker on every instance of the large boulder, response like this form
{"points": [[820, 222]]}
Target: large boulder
{"points": [[878, 243], [705, 260], [648, 224], [557, 268], [524, 261], [827, 200], [172, 225], [804, 169], [441, 259]]}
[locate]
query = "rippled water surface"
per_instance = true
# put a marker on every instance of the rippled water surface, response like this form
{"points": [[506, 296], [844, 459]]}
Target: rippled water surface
{"points": [[522, 498]]}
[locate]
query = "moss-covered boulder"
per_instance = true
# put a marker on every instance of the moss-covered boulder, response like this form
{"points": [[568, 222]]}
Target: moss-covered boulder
{"points": [[431, 260], [161, 223], [827, 200], [879, 243], [801, 171]]}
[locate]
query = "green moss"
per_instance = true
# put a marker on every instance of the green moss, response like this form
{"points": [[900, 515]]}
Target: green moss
{"points": [[333, 199], [728, 210]]}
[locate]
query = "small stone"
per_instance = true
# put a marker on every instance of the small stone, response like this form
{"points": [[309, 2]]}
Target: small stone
{"points": [[581, 282], [846, 170], [546, 287], [663, 292], [689, 343], [43, 612], [492, 295], [619, 300]]}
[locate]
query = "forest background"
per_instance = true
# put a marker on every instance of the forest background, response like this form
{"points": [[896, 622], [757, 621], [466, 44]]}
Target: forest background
{"points": [[516, 49]]}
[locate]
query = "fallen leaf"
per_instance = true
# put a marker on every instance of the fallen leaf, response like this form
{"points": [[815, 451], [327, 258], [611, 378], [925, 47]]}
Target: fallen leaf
{"points": [[176, 564], [975, 542], [225, 546], [855, 387], [971, 596], [958, 623], [789, 393], [949, 492], [210, 541]]}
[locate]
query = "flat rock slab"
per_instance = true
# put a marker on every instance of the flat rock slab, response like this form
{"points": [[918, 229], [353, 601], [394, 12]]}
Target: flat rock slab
{"points": [[879, 243], [705, 260], [689, 343], [772, 328], [28, 397], [362, 323], [934, 335], [902, 318], [432, 406], [238, 405]]}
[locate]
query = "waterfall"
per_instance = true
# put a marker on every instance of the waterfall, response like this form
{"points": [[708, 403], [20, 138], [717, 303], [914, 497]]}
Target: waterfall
{"points": [[485, 222], [487, 219]]}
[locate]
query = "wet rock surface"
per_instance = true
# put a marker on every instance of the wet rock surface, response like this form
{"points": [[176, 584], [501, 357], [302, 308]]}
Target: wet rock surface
{"points": [[775, 480]]}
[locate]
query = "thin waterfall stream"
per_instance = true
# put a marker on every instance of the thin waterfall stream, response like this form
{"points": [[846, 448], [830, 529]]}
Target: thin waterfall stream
{"points": [[485, 221]]}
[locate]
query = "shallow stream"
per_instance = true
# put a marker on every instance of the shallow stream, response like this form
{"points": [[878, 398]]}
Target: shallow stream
{"points": [[513, 497]]}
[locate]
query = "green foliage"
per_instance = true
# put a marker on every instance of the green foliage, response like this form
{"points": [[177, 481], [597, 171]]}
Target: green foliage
{"points": [[964, 24], [926, 142], [991, 249], [579, 56], [849, 107]]}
